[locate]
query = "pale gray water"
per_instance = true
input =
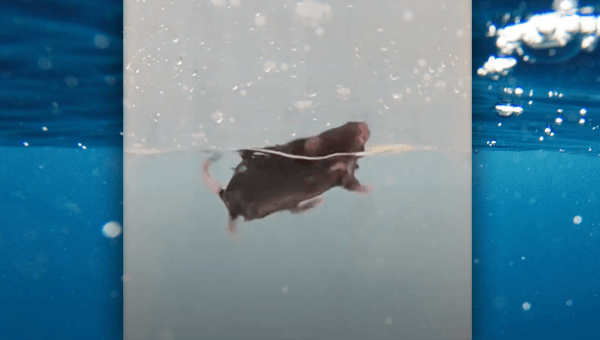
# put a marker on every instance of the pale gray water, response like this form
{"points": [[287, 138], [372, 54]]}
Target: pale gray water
{"points": [[395, 263]]}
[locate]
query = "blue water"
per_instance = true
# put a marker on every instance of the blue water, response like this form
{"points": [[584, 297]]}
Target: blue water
{"points": [[61, 168], [576, 83], [536, 209], [536, 215], [60, 277], [61, 68]]}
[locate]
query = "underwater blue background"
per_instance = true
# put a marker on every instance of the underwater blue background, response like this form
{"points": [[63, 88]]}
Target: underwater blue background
{"points": [[61, 169], [536, 206], [61, 68]]}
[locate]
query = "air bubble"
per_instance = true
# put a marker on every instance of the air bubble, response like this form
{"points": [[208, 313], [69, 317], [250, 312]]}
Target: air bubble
{"points": [[260, 20], [45, 64], [217, 116], [112, 229], [101, 41], [558, 120]]}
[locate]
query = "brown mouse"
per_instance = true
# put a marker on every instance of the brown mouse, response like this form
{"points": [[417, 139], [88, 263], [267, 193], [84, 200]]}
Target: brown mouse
{"points": [[266, 183]]}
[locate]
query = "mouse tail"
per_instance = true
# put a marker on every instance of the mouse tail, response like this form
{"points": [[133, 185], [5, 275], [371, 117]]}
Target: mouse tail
{"points": [[210, 182]]}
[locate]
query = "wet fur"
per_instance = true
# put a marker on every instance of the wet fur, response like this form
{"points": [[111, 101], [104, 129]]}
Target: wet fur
{"points": [[264, 184]]}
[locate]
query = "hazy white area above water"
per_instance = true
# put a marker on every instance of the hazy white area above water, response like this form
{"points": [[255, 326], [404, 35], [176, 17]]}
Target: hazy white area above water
{"points": [[233, 74]]}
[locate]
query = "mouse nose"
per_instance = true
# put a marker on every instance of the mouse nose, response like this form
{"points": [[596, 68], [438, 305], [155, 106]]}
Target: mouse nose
{"points": [[363, 132]]}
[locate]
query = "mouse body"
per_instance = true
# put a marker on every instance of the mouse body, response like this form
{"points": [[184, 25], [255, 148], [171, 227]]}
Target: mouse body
{"points": [[264, 183]]}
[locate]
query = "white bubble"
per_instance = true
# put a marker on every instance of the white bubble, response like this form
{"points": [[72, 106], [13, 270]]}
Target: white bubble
{"points": [[217, 116], [303, 104], [507, 110], [388, 320], [235, 3], [313, 12], [408, 16], [558, 120], [45, 64], [284, 66], [219, 3], [577, 219], [270, 66], [569, 303], [260, 20], [71, 81], [320, 31], [343, 92], [526, 305], [110, 80], [101, 41], [112, 229], [307, 48], [284, 289]]}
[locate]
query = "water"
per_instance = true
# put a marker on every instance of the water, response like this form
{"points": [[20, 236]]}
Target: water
{"points": [[535, 216], [536, 226], [535, 204], [61, 74], [61, 168], [61, 277], [550, 89], [395, 263]]}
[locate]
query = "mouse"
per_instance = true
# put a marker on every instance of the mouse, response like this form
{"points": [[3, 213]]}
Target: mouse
{"points": [[264, 183]]}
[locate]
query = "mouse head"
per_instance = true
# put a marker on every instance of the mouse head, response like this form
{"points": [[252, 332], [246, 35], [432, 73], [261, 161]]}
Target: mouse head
{"points": [[350, 137]]}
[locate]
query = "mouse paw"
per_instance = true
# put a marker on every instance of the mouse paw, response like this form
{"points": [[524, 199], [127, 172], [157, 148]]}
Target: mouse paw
{"points": [[307, 205], [364, 189]]}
